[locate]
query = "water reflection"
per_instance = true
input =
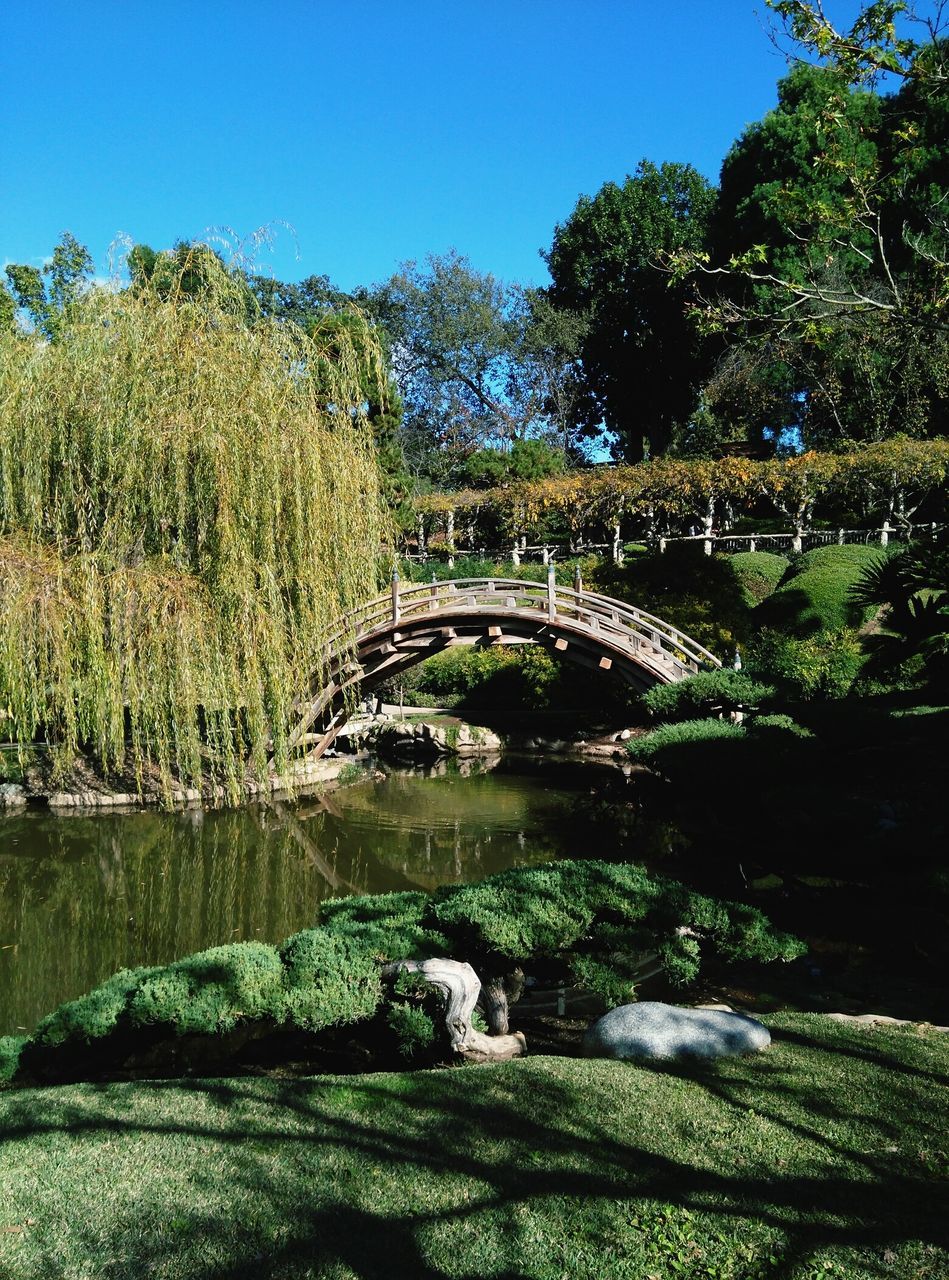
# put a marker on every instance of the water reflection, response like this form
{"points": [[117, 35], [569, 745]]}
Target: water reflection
{"points": [[81, 897]]}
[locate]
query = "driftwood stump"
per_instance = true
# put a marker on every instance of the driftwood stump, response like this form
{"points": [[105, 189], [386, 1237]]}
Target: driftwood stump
{"points": [[461, 988], [498, 993]]}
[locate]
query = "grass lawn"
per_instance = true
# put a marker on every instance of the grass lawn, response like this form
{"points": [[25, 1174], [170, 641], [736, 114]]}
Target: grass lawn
{"points": [[826, 1156]]}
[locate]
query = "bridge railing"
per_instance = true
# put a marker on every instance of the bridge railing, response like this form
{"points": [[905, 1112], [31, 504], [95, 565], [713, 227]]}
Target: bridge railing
{"points": [[622, 623]]}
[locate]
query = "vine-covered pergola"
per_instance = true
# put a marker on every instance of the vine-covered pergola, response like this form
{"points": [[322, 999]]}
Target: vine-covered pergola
{"points": [[885, 482]]}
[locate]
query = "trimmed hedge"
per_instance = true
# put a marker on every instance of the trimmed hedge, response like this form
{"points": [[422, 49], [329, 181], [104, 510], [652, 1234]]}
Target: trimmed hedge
{"points": [[710, 690], [759, 572], [649, 749], [592, 917], [709, 755], [814, 594]]}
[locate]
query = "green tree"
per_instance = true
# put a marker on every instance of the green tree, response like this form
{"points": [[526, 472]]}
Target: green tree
{"points": [[642, 361], [525, 460], [866, 180], [48, 294], [828, 277], [7, 309], [326, 314], [478, 362]]}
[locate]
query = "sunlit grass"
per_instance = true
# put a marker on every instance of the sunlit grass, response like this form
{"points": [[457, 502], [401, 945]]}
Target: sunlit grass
{"points": [[824, 1156]]}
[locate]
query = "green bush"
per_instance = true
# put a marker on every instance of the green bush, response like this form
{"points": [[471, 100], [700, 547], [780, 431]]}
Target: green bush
{"points": [[581, 910], [92, 1016], [212, 991], [696, 696], [388, 926], [503, 680], [11, 1047], [819, 666], [330, 980], [815, 593], [708, 758], [782, 723], [414, 1029], [657, 745], [834, 557], [593, 917], [758, 572], [701, 595]]}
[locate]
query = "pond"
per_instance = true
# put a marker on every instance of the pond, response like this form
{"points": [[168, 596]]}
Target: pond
{"points": [[84, 896]]}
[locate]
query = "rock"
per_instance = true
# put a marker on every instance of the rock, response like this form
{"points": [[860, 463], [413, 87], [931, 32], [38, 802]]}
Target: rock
{"points": [[664, 1032], [12, 795], [421, 740]]}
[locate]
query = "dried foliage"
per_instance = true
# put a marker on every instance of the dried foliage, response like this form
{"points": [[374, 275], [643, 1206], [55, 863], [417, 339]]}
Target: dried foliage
{"points": [[187, 500]]}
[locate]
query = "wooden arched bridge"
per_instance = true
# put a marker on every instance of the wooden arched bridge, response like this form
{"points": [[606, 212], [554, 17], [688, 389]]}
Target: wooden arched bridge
{"points": [[414, 621]]}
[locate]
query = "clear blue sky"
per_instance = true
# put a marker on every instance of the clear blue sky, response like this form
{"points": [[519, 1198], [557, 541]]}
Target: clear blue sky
{"points": [[381, 130]]}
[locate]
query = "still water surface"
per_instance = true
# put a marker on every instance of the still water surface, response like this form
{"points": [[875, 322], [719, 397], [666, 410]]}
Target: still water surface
{"points": [[84, 896]]}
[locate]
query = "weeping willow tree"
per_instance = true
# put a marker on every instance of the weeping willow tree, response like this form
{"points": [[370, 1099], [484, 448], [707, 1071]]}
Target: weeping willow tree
{"points": [[187, 501]]}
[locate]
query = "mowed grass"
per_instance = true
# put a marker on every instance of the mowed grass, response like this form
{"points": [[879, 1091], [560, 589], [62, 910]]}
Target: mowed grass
{"points": [[826, 1156]]}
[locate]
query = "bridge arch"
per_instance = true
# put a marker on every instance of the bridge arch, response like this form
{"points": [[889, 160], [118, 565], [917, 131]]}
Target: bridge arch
{"points": [[412, 622]]}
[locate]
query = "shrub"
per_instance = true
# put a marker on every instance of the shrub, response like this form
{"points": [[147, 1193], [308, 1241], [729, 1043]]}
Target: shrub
{"points": [[758, 572], [782, 723], [92, 1016], [211, 991], [815, 593], [388, 926], [595, 918], [502, 680], [710, 690], [330, 980], [11, 1048], [823, 665], [656, 746], [709, 758], [699, 594], [414, 1029]]}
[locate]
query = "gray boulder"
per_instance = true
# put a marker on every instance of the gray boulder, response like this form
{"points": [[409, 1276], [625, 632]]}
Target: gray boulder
{"points": [[664, 1032], [12, 795]]}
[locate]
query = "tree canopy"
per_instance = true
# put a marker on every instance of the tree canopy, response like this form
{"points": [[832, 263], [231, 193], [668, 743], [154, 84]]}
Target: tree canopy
{"points": [[641, 359], [187, 502], [479, 363]]}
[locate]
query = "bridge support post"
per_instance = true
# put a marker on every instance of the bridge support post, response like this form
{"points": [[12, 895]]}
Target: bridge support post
{"points": [[395, 595], [551, 592]]}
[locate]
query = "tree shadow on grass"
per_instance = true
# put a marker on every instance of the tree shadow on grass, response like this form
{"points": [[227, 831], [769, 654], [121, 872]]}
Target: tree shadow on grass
{"points": [[537, 1169]]}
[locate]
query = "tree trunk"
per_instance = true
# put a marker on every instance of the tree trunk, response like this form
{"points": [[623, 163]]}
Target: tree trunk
{"points": [[459, 985], [497, 994]]}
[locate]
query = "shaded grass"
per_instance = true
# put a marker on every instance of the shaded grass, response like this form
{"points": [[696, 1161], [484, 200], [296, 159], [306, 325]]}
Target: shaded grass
{"points": [[825, 1156]]}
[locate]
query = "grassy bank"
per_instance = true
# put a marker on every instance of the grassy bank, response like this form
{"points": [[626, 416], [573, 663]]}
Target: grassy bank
{"points": [[826, 1156]]}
